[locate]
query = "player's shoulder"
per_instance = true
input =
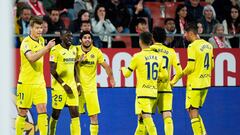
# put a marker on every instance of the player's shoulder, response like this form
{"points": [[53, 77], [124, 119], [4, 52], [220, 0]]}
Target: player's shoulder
{"points": [[56, 47], [137, 54], [96, 50], [26, 39], [171, 50], [73, 47], [26, 43], [156, 46]]}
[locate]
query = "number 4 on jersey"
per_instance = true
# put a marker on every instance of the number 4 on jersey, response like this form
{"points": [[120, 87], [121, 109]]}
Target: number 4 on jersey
{"points": [[206, 61]]}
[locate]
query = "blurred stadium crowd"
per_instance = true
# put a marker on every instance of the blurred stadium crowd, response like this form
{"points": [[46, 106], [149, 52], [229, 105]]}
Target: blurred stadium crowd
{"points": [[117, 23]]}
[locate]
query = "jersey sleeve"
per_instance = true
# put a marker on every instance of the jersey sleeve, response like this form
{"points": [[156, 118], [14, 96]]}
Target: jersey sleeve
{"points": [[100, 58], [128, 71], [25, 47], [191, 53], [53, 55], [191, 61], [177, 66], [133, 63]]}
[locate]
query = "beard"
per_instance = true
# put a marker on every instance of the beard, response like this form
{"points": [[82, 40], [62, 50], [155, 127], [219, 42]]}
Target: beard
{"points": [[86, 46]]}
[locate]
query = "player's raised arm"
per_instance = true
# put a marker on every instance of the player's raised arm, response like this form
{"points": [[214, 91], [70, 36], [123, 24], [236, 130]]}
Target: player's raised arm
{"points": [[34, 56]]}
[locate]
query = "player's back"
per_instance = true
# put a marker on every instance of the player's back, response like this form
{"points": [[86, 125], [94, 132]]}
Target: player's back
{"points": [[201, 52], [169, 59], [147, 67]]}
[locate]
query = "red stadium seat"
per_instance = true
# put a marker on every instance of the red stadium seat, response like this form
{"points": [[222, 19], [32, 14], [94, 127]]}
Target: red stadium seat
{"points": [[155, 11], [158, 22], [203, 3], [66, 21], [154, 8]]}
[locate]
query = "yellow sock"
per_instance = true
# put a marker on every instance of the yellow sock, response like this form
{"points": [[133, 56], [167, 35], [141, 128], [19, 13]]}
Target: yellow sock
{"points": [[52, 126], [43, 123], [168, 126], [196, 126], [19, 124], [140, 130], [149, 124], [75, 126], [93, 129], [202, 125]]}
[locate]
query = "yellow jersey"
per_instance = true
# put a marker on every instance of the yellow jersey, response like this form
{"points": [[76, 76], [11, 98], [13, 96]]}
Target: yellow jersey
{"points": [[200, 64], [88, 68], [31, 73], [65, 60], [148, 65], [169, 59]]}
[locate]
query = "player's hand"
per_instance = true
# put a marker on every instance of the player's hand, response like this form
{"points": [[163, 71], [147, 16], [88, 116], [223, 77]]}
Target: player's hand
{"points": [[51, 43], [112, 82], [79, 88], [67, 89], [82, 58]]}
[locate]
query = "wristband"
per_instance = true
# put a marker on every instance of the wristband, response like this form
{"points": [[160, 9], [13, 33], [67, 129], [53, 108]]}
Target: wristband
{"points": [[78, 84], [63, 83]]}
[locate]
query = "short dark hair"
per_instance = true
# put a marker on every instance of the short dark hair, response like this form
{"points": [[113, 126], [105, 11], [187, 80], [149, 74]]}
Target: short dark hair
{"points": [[53, 9], [84, 33], [85, 21], [146, 38], [168, 19], [35, 20], [25, 8], [192, 27], [141, 21], [64, 31], [159, 34]]}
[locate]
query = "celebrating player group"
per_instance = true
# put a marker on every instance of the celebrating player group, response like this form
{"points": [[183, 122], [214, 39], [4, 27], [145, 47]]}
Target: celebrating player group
{"points": [[73, 69]]}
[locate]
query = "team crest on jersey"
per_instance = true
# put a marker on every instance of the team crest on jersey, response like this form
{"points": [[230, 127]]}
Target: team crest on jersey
{"points": [[92, 56]]}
